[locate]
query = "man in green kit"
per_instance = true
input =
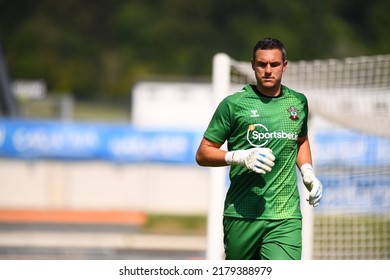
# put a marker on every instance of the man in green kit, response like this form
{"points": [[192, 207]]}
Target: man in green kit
{"points": [[265, 126]]}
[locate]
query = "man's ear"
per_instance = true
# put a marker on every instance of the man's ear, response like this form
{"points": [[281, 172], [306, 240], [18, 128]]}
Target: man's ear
{"points": [[285, 65]]}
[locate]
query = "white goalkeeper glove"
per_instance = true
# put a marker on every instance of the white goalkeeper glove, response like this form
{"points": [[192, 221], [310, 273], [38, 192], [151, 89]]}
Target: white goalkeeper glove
{"points": [[312, 184], [259, 160]]}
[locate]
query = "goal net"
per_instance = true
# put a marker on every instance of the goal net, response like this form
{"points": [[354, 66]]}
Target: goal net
{"points": [[349, 127]]}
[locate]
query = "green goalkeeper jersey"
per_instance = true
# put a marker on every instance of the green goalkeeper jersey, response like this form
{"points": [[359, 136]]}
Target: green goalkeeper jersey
{"points": [[248, 119]]}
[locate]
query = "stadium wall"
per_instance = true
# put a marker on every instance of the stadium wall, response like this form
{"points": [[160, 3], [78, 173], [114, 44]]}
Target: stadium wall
{"points": [[93, 185]]}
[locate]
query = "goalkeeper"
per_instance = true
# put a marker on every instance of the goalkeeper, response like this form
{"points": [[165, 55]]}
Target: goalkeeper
{"points": [[265, 126]]}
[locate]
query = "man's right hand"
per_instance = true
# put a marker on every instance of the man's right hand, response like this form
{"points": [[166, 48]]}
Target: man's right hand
{"points": [[259, 160]]}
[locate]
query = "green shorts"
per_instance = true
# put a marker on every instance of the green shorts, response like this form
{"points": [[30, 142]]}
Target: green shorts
{"points": [[247, 239]]}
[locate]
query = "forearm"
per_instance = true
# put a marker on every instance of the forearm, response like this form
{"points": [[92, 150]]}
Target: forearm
{"points": [[210, 154], [304, 152]]}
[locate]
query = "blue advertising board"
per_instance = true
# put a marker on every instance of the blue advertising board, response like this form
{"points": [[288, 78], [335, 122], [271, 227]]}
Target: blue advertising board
{"points": [[354, 169], [335, 147], [355, 193], [38, 139]]}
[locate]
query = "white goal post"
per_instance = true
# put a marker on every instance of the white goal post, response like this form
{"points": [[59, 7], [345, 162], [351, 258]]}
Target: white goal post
{"points": [[349, 102]]}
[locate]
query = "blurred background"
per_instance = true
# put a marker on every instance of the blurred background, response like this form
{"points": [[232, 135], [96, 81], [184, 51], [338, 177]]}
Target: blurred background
{"points": [[103, 104]]}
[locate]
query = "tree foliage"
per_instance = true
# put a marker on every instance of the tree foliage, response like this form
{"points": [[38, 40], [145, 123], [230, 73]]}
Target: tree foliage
{"points": [[98, 49]]}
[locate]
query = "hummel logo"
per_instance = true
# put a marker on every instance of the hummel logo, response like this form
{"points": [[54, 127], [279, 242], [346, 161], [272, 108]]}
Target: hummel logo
{"points": [[254, 113]]}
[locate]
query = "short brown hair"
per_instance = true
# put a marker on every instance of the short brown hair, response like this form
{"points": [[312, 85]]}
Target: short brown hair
{"points": [[270, 44]]}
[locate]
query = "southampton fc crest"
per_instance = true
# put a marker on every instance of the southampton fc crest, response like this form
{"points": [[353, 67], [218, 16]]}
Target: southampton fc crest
{"points": [[293, 113]]}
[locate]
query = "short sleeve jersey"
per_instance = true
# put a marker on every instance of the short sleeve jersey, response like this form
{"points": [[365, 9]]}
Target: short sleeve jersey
{"points": [[248, 119]]}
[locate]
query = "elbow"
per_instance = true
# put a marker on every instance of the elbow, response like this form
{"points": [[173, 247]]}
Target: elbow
{"points": [[202, 158], [199, 159]]}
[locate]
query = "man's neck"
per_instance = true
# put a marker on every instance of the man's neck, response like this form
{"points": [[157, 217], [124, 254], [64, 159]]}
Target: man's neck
{"points": [[270, 92]]}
